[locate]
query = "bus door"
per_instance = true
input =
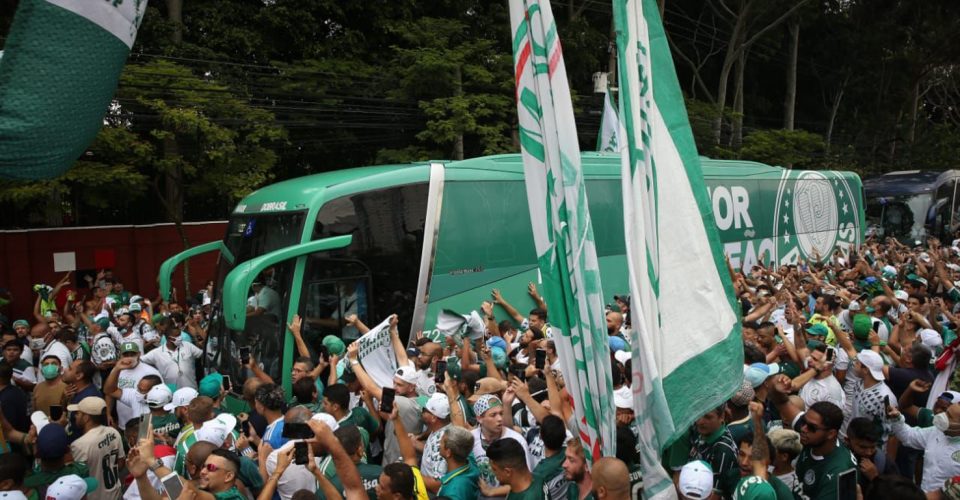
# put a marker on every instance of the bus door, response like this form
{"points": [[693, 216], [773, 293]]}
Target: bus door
{"points": [[333, 290]]}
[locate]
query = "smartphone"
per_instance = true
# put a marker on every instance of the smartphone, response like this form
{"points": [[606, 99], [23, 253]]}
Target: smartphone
{"points": [[143, 431], [541, 359], [386, 399], [300, 453], [520, 373], [847, 485], [227, 386], [245, 356], [56, 412], [173, 484], [323, 351], [862, 296], [830, 353], [245, 427], [295, 430], [441, 374]]}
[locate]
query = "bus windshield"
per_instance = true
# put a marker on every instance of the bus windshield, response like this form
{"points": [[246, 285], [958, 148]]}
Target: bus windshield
{"points": [[249, 236], [901, 217]]}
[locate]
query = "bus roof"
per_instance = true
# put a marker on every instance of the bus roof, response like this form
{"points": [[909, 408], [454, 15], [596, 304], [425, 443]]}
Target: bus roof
{"points": [[903, 183], [303, 192]]}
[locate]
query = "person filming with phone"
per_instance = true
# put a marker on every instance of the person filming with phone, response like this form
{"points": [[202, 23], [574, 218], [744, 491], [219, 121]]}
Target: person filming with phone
{"points": [[939, 443]]}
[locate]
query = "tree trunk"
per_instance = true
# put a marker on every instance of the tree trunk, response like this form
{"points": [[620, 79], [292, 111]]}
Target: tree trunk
{"points": [[458, 91], [790, 99], [736, 135], [833, 115], [914, 109], [175, 16]]}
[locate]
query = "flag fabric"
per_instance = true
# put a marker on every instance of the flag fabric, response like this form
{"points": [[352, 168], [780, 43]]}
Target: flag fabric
{"points": [[687, 354], [608, 140], [58, 74], [562, 230]]}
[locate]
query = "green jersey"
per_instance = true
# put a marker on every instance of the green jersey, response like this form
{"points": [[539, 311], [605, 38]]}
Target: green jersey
{"points": [[166, 424], [231, 494], [185, 440], [462, 483], [550, 471], [754, 488], [369, 477], [573, 492], [39, 480], [717, 449], [819, 476], [536, 491], [636, 481]]}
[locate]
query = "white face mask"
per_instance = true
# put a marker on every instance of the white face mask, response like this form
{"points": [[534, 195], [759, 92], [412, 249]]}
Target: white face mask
{"points": [[942, 422], [177, 341]]}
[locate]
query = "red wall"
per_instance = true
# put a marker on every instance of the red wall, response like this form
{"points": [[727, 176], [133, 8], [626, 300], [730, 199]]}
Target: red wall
{"points": [[139, 251]]}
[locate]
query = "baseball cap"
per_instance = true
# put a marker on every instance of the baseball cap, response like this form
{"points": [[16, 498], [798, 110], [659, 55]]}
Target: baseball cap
{"points": [[407, 374], [499, 357], [497, 342], [334, 345], [913, 278], [211, 385], [21, 322], [182, 397], [901, 295], [52, 441], [950, 396], [485, 403], [931, 338], [862, 324], [159, 396], [819, 330], [453, 368], [696, 480], [758, 373], [437, 404], [71, 487], [754, 488], [135, 298], [12, 495], [217, 430], [744, 395], [616, 343], [135, 308], [327, 419], [623, 398], [90, 405], [873, 362], [39, 419], [129, 347], [622, 356]]}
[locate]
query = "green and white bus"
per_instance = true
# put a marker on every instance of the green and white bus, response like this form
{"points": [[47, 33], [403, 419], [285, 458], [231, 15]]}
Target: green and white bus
{"points": [[415, 239]]}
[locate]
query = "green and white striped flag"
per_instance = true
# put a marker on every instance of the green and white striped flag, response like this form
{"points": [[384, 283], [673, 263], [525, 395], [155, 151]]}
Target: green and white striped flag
{"points": [[562, 230], [608, 139], [687, 356], [58, 74]]}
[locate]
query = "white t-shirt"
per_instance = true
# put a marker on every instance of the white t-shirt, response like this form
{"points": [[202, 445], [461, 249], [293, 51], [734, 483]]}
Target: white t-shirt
{"points": [[268, 300], [104, 349], [101, 449], [480, 453], [295, 478], [177, 366], [869, 403], [826, 389], [119, 337], [129, 406], [58, 349]]}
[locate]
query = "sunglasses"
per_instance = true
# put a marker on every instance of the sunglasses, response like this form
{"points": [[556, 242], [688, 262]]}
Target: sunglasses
{"points": [[811, 427], [211, 467]]}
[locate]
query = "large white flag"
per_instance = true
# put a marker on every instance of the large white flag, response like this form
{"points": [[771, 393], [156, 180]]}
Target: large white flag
{"points": [[608, 139], [687, 354], [562, 230]]}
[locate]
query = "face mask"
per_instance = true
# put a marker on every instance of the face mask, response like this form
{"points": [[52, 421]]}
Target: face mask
{"points": [[177, 341], [37, 343], [942, 422], [50, 372]]}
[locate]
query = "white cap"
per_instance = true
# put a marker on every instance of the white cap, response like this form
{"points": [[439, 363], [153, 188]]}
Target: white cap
{"points": [[39, 419], [901, 295], [135, 298], [931, 338], [623, 398], [182, 397], [159, 396], [622, 356], [407, 373], [696, 480], [873, 362], [438, 405], [217, 430], [327, 419], [12, 495], [854, 306], [71, 487]]}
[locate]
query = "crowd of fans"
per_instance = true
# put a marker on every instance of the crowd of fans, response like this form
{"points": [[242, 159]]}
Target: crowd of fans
{"points": [[849, 391]]}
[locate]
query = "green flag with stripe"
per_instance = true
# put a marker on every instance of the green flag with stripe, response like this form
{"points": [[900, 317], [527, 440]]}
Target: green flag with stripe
{"points": [[562, 230]]}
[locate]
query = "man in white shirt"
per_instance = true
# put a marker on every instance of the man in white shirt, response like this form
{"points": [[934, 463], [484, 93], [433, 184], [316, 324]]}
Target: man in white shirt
{"points": [[129, 384], [940, 444], [99, 446], [489, 411], [871, 396], [266, 301], [824, 386], [295, 477], [57, 348], [123, 331], [175, 360]]}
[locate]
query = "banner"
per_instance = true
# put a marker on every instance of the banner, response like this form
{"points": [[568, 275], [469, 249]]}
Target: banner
{"points": [[687, 354], [58, 74], [608, 140], [562, 231], [377, 355]]}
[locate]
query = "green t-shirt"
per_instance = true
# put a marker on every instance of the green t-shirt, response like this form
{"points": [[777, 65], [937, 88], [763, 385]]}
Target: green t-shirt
{"points": [[467, 409], [536, 491], [369, 477], [636, 481], [185, 440], [573, 492], [550, 471], [250, 474], [820, 478], [41, 479], [231, 494], [462, 483], [718, 449], [754, 488], [166, 424]]}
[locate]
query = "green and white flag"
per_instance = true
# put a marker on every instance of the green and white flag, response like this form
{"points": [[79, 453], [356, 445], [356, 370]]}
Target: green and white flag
{"points": [[687, 355], [562, 230], [58, 74], [608, 140]]}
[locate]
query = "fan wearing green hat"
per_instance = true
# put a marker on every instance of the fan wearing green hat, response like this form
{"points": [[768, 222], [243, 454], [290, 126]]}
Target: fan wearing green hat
{"points": [[751, 479], [126, 379]]}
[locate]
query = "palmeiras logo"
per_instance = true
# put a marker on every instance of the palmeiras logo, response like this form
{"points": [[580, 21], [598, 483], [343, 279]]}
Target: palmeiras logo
{"points": [[816, 212]]}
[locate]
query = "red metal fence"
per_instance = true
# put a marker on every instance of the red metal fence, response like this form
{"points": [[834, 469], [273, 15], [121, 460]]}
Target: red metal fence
{"points": [[134, 253]]}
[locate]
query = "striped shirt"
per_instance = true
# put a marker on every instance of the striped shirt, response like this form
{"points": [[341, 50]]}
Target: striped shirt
{"points": [[185, 440]]}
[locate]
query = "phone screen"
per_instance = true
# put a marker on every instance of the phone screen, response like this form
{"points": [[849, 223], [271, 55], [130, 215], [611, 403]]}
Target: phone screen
{"points": [[830, 353], [541, 359], [296, 430], [300, 453], [847, 485], [226, 383], [441, 374], [386, 400], [173, 485], [56, 412], [143, 431], [245, 355]]}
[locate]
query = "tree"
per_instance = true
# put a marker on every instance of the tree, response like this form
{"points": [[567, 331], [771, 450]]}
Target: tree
{"points": [[790, 148]]}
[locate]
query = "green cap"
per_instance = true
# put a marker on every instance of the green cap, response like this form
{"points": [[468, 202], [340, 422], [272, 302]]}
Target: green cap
{"points": [[211, 385], [862, 324], [454, 370], [818, 330], [913, 278], [334, 345], [129, 347], [104, 323], [21, 322], [754, 488]]}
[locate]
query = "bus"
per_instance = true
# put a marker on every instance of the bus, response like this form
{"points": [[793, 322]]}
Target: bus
{"points": [[911, 205], [419, 238]]}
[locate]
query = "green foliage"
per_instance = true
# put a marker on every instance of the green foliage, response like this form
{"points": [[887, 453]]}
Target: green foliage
{"points": [[788, 148]]}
